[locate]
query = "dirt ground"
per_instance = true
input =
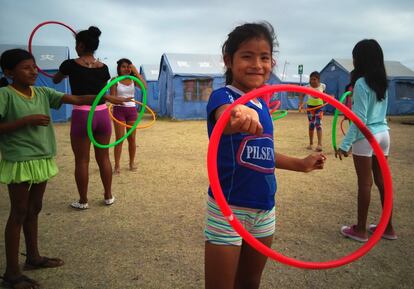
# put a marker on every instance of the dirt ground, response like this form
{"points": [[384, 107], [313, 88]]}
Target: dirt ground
{"points": [[152, 237]]}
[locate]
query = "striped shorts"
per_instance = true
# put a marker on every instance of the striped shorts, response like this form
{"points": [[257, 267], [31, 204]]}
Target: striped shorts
{"points": [[259, 223]]}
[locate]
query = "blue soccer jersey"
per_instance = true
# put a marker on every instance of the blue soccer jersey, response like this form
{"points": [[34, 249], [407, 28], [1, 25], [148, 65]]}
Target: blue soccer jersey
{"points": [[245, 162]]}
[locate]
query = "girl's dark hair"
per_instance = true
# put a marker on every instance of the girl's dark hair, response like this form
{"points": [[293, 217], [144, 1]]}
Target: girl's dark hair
{"points": [[243, 33], [315, 74], [89, 38], [369, 63], [122, 61], [10, 58]]}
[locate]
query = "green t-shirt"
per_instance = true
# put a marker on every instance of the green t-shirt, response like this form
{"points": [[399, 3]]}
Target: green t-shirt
{"points": [[29, 142]]}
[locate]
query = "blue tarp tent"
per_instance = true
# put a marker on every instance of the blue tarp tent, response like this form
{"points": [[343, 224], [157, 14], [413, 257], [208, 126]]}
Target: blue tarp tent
{"points": [[49, 58], [400, 84], [150, 73], [185, 83]]}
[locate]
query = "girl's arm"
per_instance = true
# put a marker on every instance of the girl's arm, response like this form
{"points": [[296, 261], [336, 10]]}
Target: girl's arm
{"points": [[33, 119], [89, 99], [360, 108], [243, 119], [137, 75], [58, 77], [112, 90], [312, 162]]}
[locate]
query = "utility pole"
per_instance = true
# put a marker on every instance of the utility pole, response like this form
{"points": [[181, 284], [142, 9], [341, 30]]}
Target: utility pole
{"points": [[284, 69]]}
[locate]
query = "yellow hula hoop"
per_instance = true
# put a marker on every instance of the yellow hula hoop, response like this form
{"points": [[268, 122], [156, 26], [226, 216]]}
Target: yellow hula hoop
{"points": [[147, 125]]}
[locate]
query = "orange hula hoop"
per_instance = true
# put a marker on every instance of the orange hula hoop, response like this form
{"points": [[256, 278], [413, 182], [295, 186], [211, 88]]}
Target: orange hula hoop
{"points": [[147, 125], [313, 108]]}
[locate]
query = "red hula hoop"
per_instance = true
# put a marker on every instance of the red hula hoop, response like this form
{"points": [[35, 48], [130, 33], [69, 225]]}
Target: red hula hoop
{"points": [[274, 106], [234, 222], [33, 33]]}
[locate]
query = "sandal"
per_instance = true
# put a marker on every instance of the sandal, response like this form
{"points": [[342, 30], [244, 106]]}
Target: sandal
{"points": [[110, 201], [318, 148], [21, 280], [79, 206], [46, 262]]}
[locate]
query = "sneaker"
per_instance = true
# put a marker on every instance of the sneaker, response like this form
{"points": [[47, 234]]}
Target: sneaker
{"points": [[372, 228], [79, 206], [349, 232], [110, 201]]}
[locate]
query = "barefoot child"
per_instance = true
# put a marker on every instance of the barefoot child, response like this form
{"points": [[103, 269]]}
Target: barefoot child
{"points": [[126, 113], [313, 111]]}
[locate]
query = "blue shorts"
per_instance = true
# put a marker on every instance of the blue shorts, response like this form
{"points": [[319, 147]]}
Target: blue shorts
{"points": [[259, 223]]}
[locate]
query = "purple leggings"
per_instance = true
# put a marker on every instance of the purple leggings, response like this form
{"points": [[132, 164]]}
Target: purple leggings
{"points": [[101, 123]]}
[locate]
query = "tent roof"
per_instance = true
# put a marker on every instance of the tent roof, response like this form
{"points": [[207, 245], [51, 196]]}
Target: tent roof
{"points": [[47, 57], [199, 64], [150, 71], [393, 68]]}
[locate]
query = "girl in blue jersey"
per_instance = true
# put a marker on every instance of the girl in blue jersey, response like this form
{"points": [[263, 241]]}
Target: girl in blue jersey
{"points": [[246, 162], [370, 101], [27, 149]]}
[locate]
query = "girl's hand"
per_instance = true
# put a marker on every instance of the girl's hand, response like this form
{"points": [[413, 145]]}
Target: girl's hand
{"points": [[339, 153], [133, 69], [116, 99], [37, 119], [245, 119], [314, 161]]}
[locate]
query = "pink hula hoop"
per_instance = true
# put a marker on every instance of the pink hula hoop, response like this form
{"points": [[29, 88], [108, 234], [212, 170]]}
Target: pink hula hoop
{"points": [[274, 106], [33, 33], [234, 222]]}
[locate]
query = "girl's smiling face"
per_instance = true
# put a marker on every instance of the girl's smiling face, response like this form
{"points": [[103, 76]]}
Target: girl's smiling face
{"points": [[24, 73], [125, 69], [251, 64]]}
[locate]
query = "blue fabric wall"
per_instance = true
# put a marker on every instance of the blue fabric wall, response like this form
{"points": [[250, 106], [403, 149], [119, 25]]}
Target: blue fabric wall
{"points": [[171, 101], [336, 80], [401, 96]]}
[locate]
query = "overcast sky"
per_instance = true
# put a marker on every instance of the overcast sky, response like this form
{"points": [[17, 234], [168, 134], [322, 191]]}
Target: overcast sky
{"points": [[309, 32]]}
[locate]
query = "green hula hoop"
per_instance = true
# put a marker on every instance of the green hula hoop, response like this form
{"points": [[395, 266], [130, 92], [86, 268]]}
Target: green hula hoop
{"points": [[335, 119], [279, 114], [96, 101]]}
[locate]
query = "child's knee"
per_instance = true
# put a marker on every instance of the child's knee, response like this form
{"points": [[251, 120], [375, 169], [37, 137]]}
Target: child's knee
{"points": [[18, 214], [34, 209], [311, 126]]}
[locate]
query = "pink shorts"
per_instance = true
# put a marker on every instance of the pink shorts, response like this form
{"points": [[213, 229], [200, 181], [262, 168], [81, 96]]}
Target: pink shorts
{"points": [[125, 113], [101, 123]]}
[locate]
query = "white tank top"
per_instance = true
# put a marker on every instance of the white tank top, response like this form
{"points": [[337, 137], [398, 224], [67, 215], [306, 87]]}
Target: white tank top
{"points": [[126, 91]]}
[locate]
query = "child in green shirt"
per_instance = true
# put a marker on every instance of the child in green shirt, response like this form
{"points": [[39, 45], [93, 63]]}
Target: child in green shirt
{"points": [[28, 148]]}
